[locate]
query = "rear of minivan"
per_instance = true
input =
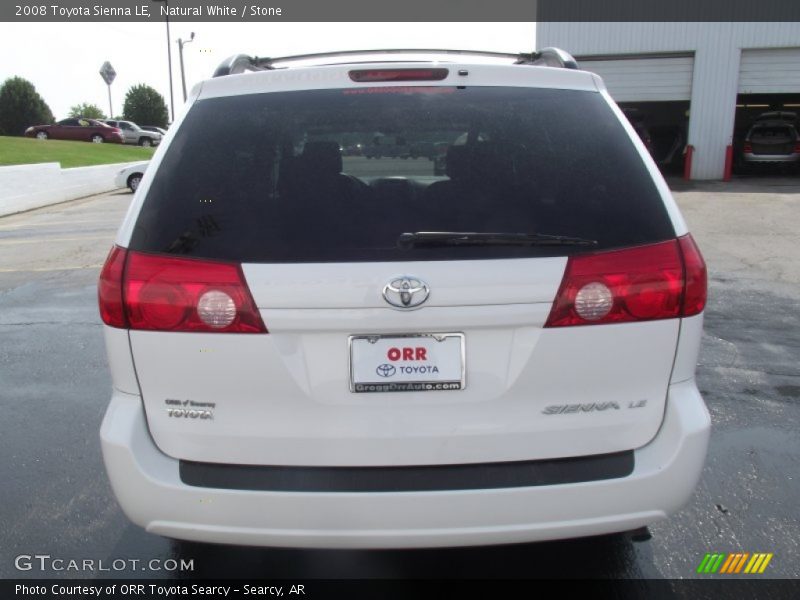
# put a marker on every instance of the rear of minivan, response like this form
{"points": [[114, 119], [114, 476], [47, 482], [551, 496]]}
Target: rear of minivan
{"points": [[316, 349]]}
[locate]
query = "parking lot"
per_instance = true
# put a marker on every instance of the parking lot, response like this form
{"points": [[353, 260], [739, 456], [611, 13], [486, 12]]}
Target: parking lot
{"points": [[54, 386]]}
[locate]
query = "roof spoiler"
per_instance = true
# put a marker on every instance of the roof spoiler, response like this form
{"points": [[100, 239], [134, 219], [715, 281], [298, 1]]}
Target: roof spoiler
{"points": [[241, 63]]}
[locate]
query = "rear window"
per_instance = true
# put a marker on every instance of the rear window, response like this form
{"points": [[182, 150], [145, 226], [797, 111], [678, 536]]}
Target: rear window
{"points": [[770, 132], [338, 175]]}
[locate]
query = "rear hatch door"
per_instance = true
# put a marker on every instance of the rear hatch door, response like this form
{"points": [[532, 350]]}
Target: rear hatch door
{"points": [[316, 231]]}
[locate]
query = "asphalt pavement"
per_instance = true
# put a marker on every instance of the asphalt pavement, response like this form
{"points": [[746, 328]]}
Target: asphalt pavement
{"points": [[54, 387]]}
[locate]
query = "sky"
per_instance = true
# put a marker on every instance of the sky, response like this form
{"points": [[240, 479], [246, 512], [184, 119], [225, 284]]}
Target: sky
{"points": [[63, 60]]}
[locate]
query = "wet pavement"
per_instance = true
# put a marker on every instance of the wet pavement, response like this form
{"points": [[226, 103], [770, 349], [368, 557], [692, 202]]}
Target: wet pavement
{"points": [[54, 387]]}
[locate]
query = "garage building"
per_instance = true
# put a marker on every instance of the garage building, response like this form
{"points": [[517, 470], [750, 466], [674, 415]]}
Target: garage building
{"points": [[716, 76]]}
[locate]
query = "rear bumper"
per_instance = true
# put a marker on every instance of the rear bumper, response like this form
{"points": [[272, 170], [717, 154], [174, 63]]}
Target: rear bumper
{"points": [[772, 158], [149, 488]]}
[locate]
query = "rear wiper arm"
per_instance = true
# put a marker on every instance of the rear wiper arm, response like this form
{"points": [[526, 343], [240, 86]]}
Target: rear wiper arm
{"points": [[472, 238]]}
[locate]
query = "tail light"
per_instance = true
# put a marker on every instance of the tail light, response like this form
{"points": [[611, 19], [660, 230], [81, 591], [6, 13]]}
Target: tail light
{"points": [[797, 148], [659, 281], [695, 276], [747, 148], [109, 289], [164, 293]]}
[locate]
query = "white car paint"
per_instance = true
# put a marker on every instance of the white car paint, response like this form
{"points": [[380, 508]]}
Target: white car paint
{"points": [[127, 177], [150, 491], [283, 399]]}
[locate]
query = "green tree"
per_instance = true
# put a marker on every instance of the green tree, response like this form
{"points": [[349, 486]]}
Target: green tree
{"points": [[85, 109], [145, 106], [21, 106]]}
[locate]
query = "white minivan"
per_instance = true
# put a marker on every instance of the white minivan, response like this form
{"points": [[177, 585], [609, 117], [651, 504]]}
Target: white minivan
{"points": [[321, 350]]}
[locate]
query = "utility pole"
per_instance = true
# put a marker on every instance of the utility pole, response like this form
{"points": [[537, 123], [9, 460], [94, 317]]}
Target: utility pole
{"points": [[169, 61], [181, 44]]}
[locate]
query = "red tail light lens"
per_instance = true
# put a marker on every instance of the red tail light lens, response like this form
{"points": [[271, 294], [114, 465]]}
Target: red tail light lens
{"points": [[747, 148], [797, 148], [696, 287], [660, 281], [109, 289], [373, 75], [164, 293]]}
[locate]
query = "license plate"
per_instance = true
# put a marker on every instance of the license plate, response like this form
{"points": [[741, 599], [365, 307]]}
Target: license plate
{"points": [[422, 362]]}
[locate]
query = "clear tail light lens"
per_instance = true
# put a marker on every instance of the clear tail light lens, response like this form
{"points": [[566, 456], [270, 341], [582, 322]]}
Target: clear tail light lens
{"points": [[659, 281], [165, 293], [216, 309], [593, 301]]}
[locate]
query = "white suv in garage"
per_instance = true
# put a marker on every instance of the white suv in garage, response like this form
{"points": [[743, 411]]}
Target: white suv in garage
{"points": [[315, 349]]}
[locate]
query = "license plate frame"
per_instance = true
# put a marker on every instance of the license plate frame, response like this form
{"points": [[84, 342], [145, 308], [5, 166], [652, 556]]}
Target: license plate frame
{"points": [[453, 380]]}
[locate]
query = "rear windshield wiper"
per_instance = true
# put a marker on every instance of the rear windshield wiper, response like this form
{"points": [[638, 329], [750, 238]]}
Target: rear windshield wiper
{"points": [[471, 238]]}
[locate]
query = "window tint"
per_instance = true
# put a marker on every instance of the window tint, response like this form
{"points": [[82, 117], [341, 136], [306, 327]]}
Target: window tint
{"points": [[69, 122], [338, 175]]}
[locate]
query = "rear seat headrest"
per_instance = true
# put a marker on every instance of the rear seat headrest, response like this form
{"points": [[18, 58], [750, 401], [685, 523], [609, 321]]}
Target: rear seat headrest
{"points": [[481, 161], [458, 162]]}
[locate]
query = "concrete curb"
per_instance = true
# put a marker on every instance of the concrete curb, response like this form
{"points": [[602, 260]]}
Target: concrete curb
{"points": [[25, 187]]}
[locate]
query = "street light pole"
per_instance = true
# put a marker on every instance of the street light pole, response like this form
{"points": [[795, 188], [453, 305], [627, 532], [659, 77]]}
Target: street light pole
{"points": [[181, 44], [169, 60]]}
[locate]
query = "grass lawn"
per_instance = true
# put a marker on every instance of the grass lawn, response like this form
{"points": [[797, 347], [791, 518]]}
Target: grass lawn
{"points": [[23, 151]]}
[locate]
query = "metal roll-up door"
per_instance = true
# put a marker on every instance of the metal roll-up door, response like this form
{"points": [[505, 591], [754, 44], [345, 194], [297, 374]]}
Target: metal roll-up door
{"points": [[643, 79], [772, 71]]}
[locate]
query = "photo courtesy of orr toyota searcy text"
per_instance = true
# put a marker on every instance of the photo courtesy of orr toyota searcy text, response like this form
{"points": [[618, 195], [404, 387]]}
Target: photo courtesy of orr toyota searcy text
{"points": [[159, 591]]}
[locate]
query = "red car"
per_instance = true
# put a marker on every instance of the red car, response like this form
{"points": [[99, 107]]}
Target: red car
{"points": [[77, 129]]}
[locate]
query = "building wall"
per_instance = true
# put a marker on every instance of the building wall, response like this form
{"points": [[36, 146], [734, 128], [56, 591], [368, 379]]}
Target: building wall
{"points": [[717, 48]]}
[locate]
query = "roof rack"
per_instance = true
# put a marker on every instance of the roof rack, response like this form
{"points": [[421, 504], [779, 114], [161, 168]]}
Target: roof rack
{"points": [[547, 57]]}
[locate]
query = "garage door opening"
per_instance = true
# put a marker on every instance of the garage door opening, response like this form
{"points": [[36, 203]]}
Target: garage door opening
{"points": [[663, 127], [654, 92], [766, 135]]}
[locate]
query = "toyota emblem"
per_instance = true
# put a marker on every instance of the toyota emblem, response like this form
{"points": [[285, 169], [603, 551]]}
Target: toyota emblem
{"points": [[406, 292], [386, 370]]}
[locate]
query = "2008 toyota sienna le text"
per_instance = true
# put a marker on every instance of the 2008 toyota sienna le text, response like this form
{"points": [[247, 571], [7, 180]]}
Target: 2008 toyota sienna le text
{"points": [[310, 347]]}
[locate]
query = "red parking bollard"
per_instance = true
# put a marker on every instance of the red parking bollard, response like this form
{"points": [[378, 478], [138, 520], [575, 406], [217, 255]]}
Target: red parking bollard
{"points": [[687, 163], [728, 163]]}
